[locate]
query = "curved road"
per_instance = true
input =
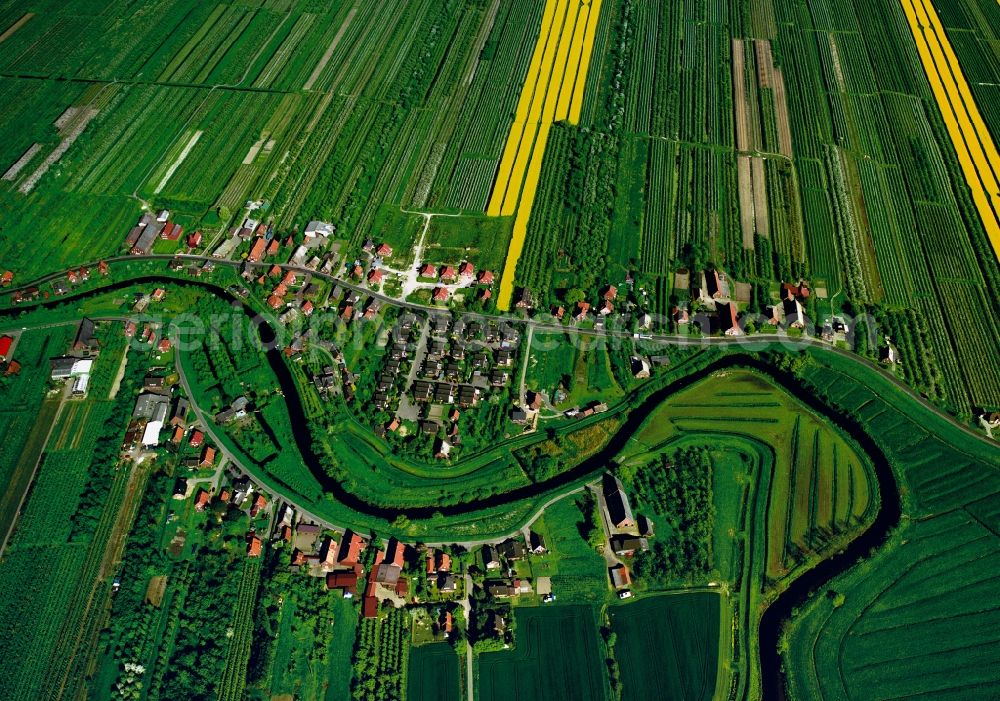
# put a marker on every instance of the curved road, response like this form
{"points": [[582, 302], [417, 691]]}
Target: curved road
{"points": [[756, 340]]}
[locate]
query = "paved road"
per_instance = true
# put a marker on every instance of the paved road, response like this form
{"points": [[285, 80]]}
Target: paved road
{"points": [[210, 430]]}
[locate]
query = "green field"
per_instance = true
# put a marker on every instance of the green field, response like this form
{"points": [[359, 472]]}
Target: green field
{"points": [[557, 649], [668, 646], [820, 488], [918, 617], [433, 673]]}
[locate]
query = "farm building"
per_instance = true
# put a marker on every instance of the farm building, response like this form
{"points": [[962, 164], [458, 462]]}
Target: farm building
{"points": [[619, 511]]}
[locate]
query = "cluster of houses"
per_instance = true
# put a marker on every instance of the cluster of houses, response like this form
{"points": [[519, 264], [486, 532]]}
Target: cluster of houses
{"points": [[76, 365], [150, 227], [343, 565], [715, 293], [429, 376], [240, 493]]}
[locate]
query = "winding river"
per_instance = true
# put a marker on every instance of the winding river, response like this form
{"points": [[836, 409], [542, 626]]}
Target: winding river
{"points": [[773, 618]]}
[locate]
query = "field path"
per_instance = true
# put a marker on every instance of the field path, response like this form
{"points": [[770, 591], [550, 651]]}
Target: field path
{"points": [[314, 76], [17, 25], [177, 163]]}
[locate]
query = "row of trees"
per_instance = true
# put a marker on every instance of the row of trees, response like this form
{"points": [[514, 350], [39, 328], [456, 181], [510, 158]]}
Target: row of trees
{"points": [[380, 655], [679, 489]]}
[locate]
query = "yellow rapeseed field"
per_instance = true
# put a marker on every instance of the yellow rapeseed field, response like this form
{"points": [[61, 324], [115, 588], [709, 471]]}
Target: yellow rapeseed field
{"points": [[552, 91], [977, 154]]}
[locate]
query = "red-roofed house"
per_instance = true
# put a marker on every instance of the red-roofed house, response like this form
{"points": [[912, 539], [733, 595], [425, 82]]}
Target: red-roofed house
{"points": [[102, 267], [197, 437], [272, 248], [307, 307], [275, 270], [375, 276], [194, 240], [258, 503], [611, 293], [428, 270], [383, 250], [6, 342], [164, 345], [158, 294], [178, 435], [345, 581], [289, 278], [447, 273], [350, 549], [253, 547], [257, 250], [440, 294], [202, 500], [466, 270], [581, 310], [6, 278], [275, 302], [485, 277], [395, 553], [207, 457]]}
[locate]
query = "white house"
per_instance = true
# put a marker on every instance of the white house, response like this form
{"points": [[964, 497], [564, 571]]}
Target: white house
{"points": [[318, 228]]}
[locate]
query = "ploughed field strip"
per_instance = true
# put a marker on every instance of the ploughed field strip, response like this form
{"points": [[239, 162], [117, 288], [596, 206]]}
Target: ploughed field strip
{"points": [[977, 153], [552, 92]]}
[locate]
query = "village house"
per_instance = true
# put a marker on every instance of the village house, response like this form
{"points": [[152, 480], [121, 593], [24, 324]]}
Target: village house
{"points": [[490, 559], [351, 546], [628, 545]]}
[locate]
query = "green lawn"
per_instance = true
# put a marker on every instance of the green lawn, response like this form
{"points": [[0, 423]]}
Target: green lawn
{"points": [[668, 646]]}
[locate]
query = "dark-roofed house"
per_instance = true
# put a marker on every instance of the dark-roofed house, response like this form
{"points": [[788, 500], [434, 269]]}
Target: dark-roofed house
{"points": [[616, 501], [490, 559], [712, 283], [537, 543], [627, 545], [511, 549], [728, 321], [85, 336], [794, 316]]}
